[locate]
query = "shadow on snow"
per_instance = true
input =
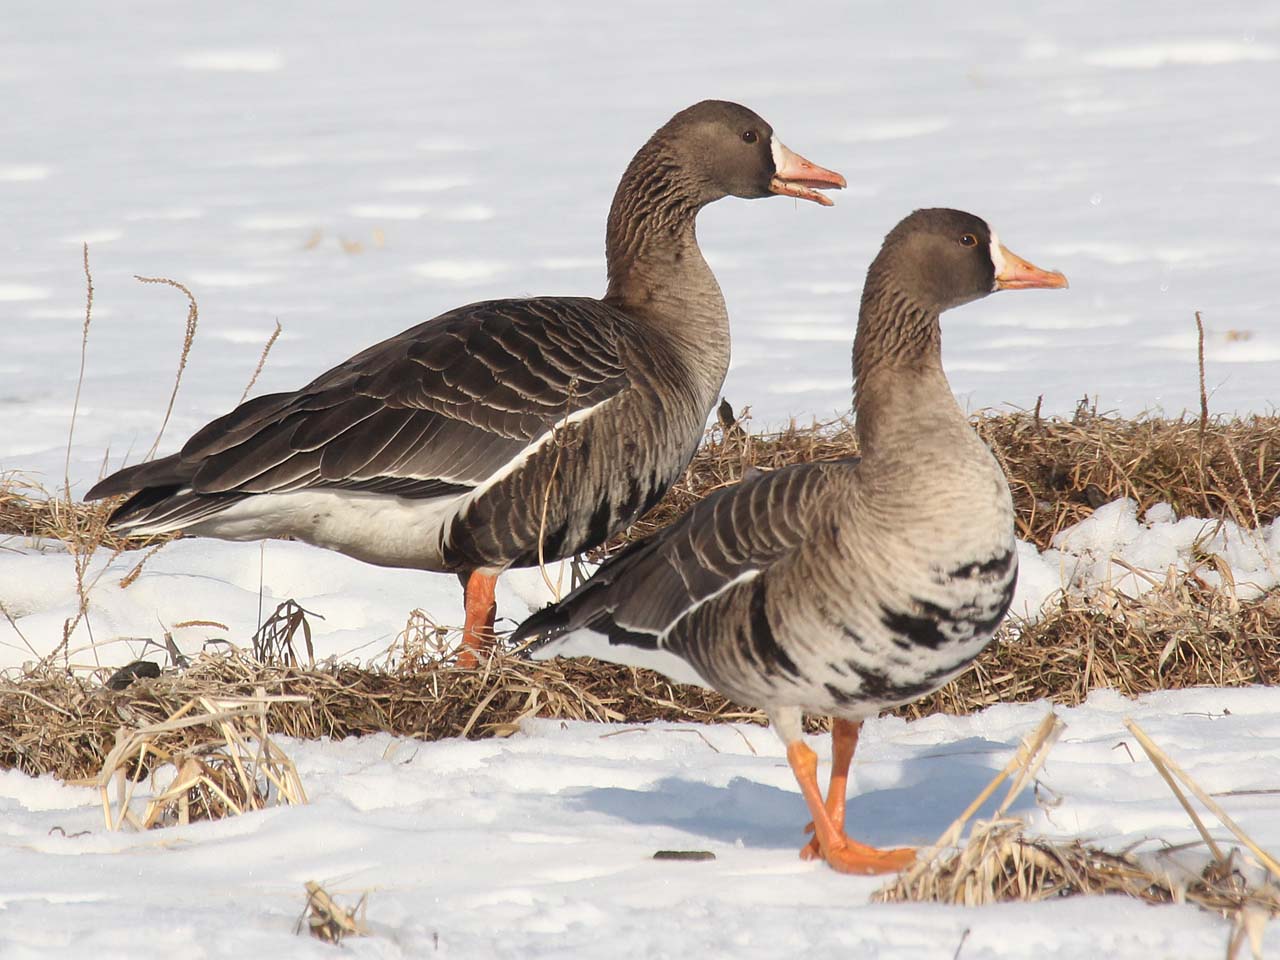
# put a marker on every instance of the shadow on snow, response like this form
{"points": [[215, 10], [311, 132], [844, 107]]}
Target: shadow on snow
{"points": [[935, 789]]}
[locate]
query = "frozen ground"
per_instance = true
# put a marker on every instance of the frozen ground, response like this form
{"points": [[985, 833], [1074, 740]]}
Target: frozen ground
{"points": [[540, 845], [353, 171]]}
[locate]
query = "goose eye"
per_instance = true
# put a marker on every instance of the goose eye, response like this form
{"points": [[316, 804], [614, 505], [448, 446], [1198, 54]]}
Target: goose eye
{"points": [[968, 240], [750, 136]]}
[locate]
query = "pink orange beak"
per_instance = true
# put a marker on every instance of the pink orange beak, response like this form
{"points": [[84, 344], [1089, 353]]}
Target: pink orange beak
{"points": [[1014, 273], [794, 176]]}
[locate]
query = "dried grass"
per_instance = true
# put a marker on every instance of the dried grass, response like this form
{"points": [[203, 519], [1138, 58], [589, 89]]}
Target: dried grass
{"points": [[273, 643], [54, 721], [211, 758], [1059, 469], [326, 920], [999, 863], [29, 510], [193, 322], [262, 360]]}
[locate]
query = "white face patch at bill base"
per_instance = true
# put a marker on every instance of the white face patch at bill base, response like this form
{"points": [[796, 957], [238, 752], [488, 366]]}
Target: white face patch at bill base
{"points": [[997, 258], [779, 151]]}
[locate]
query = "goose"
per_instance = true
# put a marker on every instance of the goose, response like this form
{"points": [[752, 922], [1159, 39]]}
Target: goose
{"points": [[841, 587], [502, 433]]}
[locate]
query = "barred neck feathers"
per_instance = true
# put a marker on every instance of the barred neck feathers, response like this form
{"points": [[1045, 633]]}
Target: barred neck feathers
{"points": [[899, 386], [653, 211], [651, 246], [930, 262]]}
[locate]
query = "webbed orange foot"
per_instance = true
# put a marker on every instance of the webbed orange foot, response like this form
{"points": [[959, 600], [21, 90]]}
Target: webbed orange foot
{"points": [[849, 856], [853, 857]]}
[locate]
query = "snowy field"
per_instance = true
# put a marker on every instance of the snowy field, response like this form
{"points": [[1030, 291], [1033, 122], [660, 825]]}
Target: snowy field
{"points": [[541, 845], [351, 171]]}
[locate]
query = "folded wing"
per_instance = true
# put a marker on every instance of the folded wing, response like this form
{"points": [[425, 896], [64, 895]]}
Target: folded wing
{"points": [[435, 410]]}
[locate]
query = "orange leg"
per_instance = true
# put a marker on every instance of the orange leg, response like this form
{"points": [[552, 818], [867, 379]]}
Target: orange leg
{"points": [[477, 632], [845, 855], [844, 741]]}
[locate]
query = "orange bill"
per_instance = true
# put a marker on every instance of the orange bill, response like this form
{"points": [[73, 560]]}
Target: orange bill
{"points": [[1014, 273], [794, 176]]}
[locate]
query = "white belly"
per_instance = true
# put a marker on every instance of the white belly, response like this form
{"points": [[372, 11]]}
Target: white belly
{"points": [[374, 527]]}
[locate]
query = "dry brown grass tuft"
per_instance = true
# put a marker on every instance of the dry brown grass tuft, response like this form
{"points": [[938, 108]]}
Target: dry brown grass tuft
{"points": [[999, 863], [209, 759], [55, 721], [28, 509], [325, 919], [52, 721], [1059, 470]]}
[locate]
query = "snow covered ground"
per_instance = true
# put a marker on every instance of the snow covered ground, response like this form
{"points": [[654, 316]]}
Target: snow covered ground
{"points": [[353, 170], [541, 845]]}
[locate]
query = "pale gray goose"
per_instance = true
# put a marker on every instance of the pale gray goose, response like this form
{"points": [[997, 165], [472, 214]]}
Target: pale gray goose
{"points": [[432, 449], [840, 587]]}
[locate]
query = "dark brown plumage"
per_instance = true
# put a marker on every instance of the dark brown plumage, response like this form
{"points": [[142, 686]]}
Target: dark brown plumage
{"points": [[434, 448]]}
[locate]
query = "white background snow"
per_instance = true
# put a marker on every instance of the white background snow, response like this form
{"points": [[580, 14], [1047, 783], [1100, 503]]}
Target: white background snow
{"points": [[351, 171]]}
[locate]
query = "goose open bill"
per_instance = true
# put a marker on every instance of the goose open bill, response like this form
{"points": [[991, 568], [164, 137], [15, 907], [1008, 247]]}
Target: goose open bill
{"points": [[505, 432], [840, 587]]}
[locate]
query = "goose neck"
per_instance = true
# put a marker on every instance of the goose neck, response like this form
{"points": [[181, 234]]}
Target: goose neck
{"points": [[656, 269], [901, 395]]}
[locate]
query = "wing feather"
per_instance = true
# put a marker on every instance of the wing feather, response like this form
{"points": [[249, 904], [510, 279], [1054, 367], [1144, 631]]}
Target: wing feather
{"points": [[440, 407], [719, 545]]}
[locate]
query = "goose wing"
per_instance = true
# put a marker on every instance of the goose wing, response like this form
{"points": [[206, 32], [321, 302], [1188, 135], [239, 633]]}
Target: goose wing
{"points": [[436, 409], [631, 609]]}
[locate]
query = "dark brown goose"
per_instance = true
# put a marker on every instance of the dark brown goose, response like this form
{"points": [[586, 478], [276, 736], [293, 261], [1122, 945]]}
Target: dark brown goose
{"points": [[843, 587], [433, 449]]}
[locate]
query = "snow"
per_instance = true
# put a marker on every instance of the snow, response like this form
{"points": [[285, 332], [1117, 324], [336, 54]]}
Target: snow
{"points": [[353, 171], [541, 844], [228, 588], [1113, 548]]}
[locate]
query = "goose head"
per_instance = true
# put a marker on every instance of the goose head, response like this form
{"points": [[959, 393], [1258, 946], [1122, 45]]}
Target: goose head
{"points": [[727, 150], [946, 258]]}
